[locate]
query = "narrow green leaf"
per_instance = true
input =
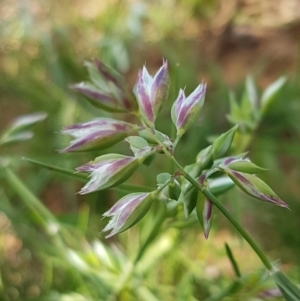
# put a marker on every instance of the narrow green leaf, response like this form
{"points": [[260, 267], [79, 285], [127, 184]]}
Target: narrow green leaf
{"points": [[246, 106], [222, 144], [234, 107], [25, 121], [245, 165], [271, 92], [235, 110], [62, 171], [289, 290], [84, 178], [251, 91], [232, 261], [205, 157], [14, 138], [17, 130]]}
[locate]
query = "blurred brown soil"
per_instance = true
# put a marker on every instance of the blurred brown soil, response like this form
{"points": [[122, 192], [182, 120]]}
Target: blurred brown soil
{"points": [[254, 36], [242, 49]]}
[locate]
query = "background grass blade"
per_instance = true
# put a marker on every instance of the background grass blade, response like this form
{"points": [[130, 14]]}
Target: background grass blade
{"points": [[289, 290]]}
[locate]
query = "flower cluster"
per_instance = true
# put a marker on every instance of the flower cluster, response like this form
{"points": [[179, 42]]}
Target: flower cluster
{"points": [[108, 90]]}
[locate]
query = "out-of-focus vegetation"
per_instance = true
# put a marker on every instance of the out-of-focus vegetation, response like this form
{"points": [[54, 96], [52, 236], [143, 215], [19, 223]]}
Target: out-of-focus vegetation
{"points": [[43, 47]]}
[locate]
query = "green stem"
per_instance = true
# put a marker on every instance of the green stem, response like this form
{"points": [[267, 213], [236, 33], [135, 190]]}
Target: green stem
{"points": [[160, 217], [176, 142], [233, 261], [225, 212], [239, 228]]}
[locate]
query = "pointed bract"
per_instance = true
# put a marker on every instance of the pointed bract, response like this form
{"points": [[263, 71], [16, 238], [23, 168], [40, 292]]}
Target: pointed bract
{"points": [[108, 171], [222, 144], [204, 207], [151, 92], [107, 89], [97, 134], [204, 213], [255, 187], [186, 110], [127, 212], [112, 169], [24, 122], [270, 93], [205, 157], [242, 165]]}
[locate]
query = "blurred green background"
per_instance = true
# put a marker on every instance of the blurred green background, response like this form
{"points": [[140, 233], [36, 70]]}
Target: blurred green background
{"points": [[43, 48]]}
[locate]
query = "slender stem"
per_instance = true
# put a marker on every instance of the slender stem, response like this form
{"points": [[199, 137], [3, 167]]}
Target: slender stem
{"points": [[225, 212], [176, 141], [233, 261], [160, 218]]}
